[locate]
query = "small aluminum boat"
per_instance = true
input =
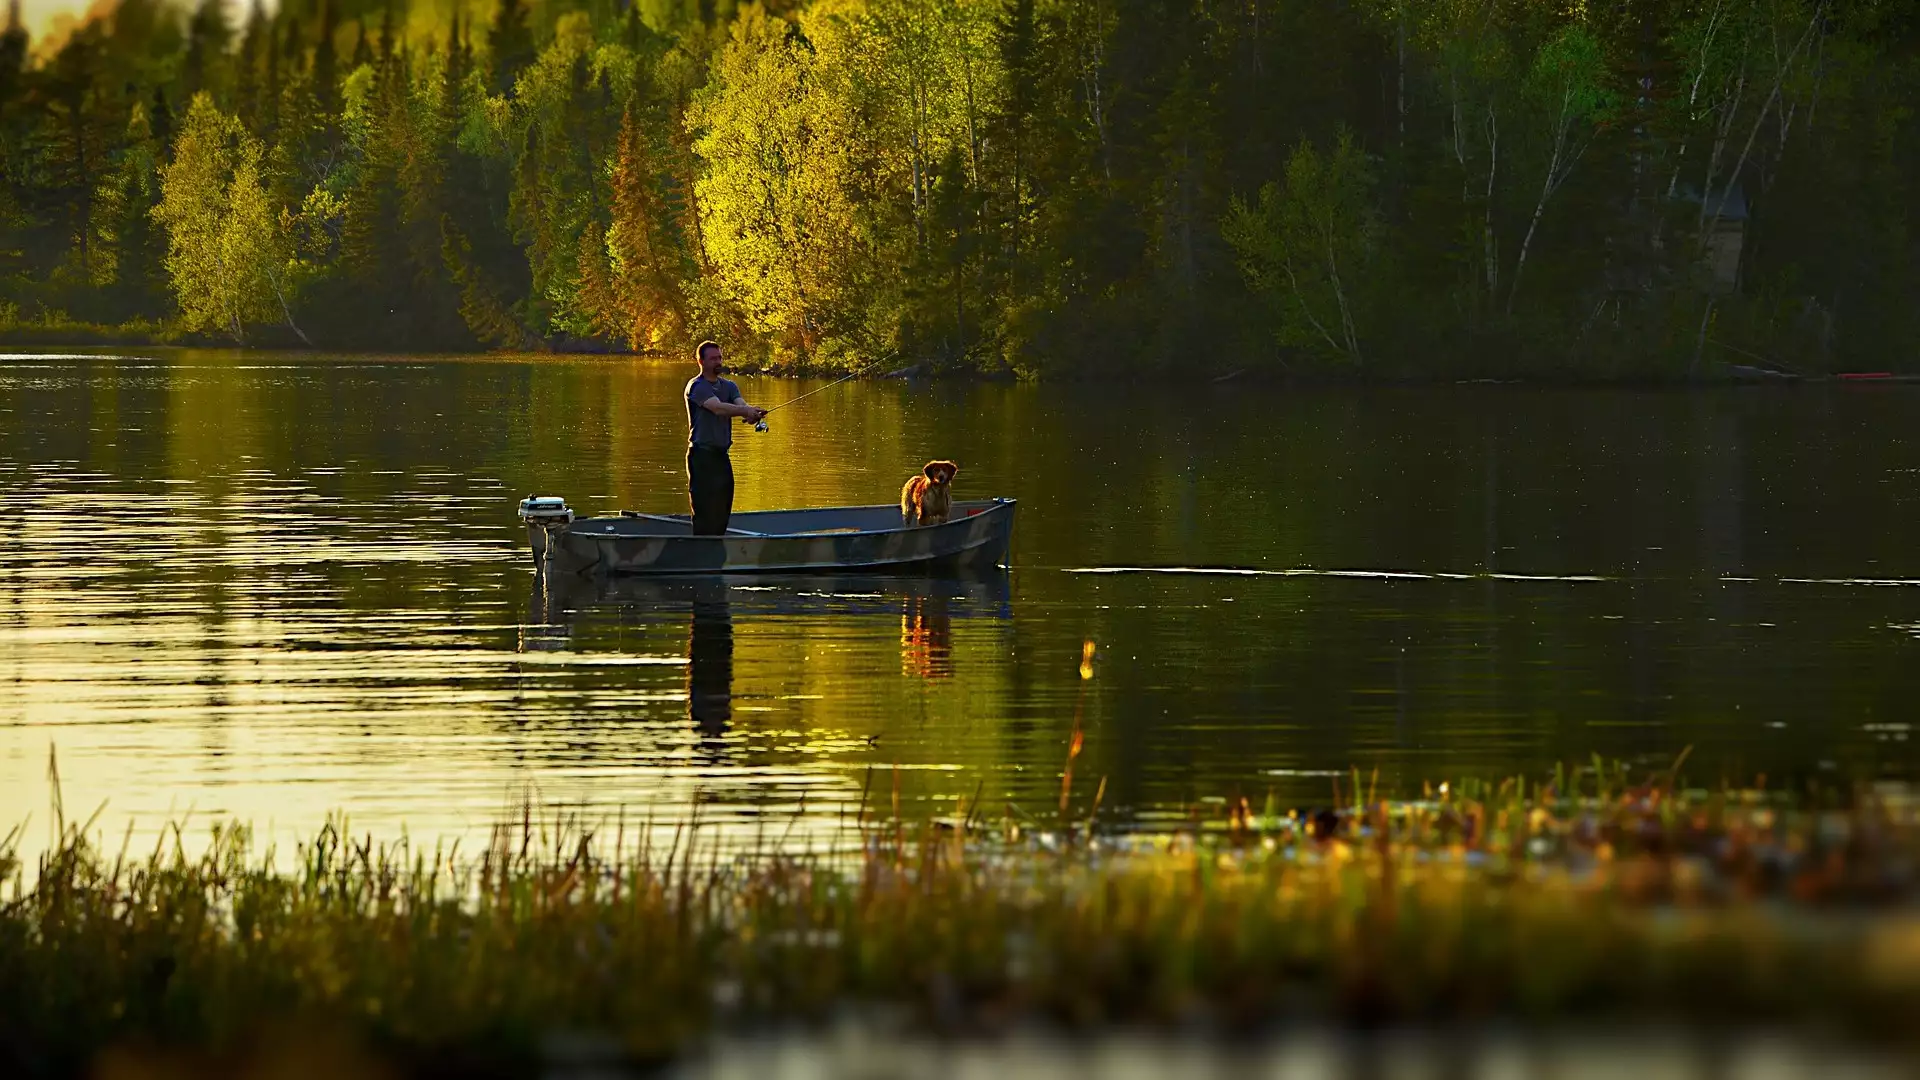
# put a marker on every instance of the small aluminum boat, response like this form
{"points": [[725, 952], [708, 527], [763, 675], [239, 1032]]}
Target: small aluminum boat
{"points": [[827, 539]]}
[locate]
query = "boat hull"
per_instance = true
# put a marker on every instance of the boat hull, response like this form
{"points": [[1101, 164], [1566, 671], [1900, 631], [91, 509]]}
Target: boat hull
{"points": [[826, 539]]}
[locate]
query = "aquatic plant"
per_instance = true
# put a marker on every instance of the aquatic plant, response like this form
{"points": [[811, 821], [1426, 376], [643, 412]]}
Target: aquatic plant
{"points": [[1584, 896]]}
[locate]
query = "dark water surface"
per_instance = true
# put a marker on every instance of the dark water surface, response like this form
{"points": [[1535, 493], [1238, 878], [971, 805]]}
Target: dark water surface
{"points": [[274, 587]]}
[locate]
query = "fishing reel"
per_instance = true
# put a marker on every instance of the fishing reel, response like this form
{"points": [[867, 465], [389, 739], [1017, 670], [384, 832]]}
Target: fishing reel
{"points": [[760, 426]]}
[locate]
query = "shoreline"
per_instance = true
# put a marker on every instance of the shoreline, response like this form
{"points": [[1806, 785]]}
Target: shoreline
{"points": [[1729, 375], [1588, 899]]}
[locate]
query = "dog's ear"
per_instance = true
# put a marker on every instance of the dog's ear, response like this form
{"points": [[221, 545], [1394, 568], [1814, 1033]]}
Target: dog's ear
{"points": [[931, 470]]}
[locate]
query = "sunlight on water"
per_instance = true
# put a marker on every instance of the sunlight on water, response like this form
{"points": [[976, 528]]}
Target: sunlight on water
{"points": [[1404, 575], [276, 589]]}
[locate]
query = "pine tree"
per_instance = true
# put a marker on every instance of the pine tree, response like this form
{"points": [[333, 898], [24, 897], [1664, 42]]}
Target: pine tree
{"points": [[484, 264], [13, 58], [77, 129], [326, 75], [362, 55], [128, 242], [389, 34], [160, 118], [644, 303], [209, 35], [251, 91], [509, 45]]}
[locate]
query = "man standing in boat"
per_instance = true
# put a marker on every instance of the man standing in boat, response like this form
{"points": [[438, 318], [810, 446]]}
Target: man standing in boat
{"points": [[712, 403]]}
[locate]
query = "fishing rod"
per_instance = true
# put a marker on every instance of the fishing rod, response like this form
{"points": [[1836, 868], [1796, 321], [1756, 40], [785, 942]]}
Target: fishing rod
{"points": [[762, 425]]}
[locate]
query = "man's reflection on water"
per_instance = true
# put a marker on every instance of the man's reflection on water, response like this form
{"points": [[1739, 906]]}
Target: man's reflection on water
{"points": [[710, 660], [549, 625]]}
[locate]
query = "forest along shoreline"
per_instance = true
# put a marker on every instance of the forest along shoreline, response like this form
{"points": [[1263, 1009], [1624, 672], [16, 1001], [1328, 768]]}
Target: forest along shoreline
{"points": [[1046, 187]]}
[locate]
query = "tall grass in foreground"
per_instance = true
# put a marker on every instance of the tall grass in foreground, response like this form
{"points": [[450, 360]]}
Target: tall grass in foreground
{"points": [[1583, 899]]}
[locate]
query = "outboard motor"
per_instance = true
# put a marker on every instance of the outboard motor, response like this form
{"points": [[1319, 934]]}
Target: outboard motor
{"points": [[545, 510], [547, 519]]}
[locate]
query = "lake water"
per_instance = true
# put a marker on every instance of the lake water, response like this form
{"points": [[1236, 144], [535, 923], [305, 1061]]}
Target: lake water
{"points": [[273, 587]]}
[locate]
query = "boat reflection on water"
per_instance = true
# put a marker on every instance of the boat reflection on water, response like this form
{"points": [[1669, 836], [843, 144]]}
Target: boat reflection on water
{"points": [[714, 605]]}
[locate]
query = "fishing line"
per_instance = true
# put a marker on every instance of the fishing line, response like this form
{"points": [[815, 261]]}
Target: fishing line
{"points": [[762, 425]]}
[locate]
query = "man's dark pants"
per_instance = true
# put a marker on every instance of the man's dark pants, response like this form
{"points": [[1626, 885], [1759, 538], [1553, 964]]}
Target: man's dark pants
{"points": [[710, 487]]}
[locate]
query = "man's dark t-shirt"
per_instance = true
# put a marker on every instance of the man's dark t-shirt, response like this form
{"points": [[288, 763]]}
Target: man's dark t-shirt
{"points": [[707, 429]]}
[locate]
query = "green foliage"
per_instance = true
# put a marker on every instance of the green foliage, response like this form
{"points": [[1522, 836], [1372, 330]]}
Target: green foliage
{"points": [[1311, 247], [1047, 186], [125, 248], [227, 256], [1569, 75], [776, 198], [633, 274]]}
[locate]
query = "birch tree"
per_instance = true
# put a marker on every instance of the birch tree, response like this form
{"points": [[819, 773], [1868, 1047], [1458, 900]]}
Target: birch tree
{"points": [[1310, 244], [1567, 87], [228, 257], [775, 212]]}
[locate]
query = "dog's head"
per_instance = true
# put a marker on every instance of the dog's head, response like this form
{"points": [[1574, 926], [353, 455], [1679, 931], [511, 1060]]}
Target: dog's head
{"points": [[940, 473]]}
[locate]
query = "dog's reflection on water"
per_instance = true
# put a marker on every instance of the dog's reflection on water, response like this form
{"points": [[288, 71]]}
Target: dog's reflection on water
{"points": [[926, 637]]}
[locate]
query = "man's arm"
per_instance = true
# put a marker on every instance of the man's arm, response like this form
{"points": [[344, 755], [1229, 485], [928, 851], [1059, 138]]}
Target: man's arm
{"points": [[740, 409]]}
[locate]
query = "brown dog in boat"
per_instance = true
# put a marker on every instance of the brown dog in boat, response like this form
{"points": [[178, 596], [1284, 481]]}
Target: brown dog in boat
{"points": [[928, 498]]}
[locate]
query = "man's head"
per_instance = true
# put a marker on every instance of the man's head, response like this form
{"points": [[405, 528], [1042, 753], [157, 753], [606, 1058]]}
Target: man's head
{"points": [[708, 355]]}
